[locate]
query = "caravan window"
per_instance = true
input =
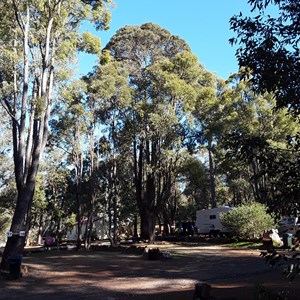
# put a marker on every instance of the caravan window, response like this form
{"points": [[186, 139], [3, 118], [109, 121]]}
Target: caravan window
{"points": [[212, 217]]}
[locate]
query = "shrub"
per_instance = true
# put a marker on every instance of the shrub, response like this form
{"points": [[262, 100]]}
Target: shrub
{"points": [[248, 221]]}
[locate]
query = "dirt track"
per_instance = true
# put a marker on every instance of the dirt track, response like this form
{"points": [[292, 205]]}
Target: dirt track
{"points": [[129, 274]]}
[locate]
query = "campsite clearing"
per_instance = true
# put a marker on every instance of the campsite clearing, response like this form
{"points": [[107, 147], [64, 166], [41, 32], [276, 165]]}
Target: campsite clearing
{"points": [[128, 274]]}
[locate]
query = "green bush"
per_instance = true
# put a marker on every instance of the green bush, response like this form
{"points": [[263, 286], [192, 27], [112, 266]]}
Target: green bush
{"points": [[248, 221]]}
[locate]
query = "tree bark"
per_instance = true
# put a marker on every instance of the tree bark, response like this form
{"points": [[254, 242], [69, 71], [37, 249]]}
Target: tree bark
{"points": [[25, 168], [135, 227], [78, 175], [148, 213], [15, 244], [212, 179], [147, 225]]}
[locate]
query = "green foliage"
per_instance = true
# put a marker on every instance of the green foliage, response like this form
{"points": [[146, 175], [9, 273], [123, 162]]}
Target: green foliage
{"points": [[174, 79], [5, 220], [69, 129], [107, 86], [37, 39], [162, 75], [90, 44], [196, 178], [7, 180], [255, 150], [245, 244], [39, 200], [248, 221], [6, 164], [269, 49], [70, 221]]}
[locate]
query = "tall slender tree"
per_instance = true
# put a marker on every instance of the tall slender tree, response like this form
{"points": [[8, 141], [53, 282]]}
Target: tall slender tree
{"points": [[36, 38], [70, 131], [210, 115], [162, 72], [109, 97]]}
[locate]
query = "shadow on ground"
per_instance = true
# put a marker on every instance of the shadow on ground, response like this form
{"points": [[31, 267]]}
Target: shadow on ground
{"points": [[127, 274]]}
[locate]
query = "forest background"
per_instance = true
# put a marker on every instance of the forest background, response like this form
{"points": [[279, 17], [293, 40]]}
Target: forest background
{"points": [[149, 135]]}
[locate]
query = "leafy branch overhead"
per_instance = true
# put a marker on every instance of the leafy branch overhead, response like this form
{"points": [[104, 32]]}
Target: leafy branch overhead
{"points": [[269, 49]]}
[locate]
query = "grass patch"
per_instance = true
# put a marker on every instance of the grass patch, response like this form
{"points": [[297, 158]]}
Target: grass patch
{"points": [[245, 244]]}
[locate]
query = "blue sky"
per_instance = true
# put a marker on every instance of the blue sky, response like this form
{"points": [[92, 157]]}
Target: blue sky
{"points": [[203, 24]]}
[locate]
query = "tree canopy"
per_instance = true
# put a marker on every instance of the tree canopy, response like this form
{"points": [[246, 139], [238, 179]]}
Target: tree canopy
{"points": [[162, 73], [269, 49]]}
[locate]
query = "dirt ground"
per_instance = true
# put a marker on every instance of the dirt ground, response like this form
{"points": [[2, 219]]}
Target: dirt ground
{"points": [[128, 274]]}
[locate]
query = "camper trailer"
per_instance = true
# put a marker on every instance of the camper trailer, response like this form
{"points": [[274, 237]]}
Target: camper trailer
{"points": [[208, 221]]}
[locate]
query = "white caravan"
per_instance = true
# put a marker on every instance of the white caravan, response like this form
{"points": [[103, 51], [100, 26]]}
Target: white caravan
{"points": [[208, 221]]}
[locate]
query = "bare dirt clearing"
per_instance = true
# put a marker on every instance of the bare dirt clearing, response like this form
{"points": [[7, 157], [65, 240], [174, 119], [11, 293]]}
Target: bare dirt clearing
{"points": [[128, 274]]}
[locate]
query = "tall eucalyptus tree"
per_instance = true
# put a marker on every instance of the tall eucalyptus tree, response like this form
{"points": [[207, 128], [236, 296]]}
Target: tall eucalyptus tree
{"points": [[108, 99], [162, 72], [70, 131], [36, 39], [211, 115]]}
